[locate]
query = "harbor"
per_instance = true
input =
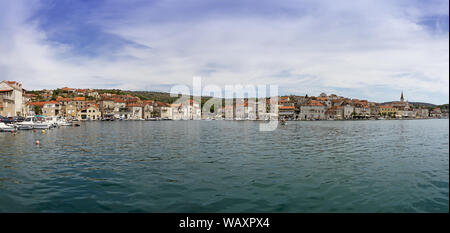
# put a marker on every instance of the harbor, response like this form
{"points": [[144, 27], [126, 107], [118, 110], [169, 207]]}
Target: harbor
{"points": [[227, 166]]}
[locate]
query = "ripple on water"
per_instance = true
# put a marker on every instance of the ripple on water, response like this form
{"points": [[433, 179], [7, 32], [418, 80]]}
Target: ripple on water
{"points": [[226, 166]]}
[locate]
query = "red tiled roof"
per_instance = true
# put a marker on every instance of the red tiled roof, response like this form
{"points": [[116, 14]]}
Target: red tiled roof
{"points": [[314, 103], [117, 100], [161, 104], [40, 104], [51, 102], [287, 107], [79, 99]]}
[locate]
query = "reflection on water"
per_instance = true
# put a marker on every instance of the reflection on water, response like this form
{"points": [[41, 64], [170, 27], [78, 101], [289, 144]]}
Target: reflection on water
{"points": [[228, 166]]}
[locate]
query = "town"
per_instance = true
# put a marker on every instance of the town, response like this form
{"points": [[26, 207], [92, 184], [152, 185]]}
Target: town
{"points": [[89, 104]]}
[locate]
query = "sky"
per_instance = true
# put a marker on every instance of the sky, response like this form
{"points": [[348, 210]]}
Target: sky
{"points": [[360, 49]]}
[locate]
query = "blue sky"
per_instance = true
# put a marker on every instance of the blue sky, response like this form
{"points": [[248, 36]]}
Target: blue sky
{"points": [[362, 49]]}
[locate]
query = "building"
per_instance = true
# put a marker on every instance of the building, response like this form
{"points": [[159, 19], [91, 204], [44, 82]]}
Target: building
{"points": [[51, 108], [436, 112], [335, 113], [69, 111], [90, 113], [79, 102], [286, 112], [148, 109], [11, 97], [348, 111], [135, 111], [421, 113], [165, 111], [402, 105], [313, 110], [387, 110]]}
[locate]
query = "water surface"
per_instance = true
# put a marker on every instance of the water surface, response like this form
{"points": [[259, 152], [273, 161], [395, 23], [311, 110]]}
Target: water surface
{"points": [[228, 166]]}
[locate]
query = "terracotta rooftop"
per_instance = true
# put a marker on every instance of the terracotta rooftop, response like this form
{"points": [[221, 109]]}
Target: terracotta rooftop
{"points": [[79, 99], [287, 107]]}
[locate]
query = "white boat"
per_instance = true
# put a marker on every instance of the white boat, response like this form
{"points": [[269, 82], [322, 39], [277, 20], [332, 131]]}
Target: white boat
{"points": [[6, 127], [63, 122], [53, 121], [27, 124], [41, 122], [42, 125]]}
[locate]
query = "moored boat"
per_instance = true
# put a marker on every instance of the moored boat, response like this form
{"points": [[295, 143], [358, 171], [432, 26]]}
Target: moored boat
{"points": [[27, 124], [6, 127]]}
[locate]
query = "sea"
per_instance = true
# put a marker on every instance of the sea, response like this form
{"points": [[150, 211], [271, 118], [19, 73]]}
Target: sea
{"points": [[366, 166]]}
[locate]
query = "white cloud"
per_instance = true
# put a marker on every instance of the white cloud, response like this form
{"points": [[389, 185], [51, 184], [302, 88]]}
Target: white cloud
{"points": [[372, 48]]}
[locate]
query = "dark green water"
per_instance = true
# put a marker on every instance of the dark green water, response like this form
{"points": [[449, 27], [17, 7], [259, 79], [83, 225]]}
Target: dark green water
{"points": [[228, 166]]}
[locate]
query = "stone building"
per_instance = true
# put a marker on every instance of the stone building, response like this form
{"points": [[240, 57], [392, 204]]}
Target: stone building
{"points": [[11, 97], [313, 110]]}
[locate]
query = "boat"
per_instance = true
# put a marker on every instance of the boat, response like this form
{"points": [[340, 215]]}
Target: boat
{"points": [[53, 121], [63, 122], [41, 123], [6, 127], [27, 124]]}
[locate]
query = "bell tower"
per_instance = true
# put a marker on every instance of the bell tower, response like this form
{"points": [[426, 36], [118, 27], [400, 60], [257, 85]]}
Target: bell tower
{"points": [[401, 98]]}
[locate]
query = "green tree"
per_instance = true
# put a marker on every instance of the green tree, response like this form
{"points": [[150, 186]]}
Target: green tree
{"points": [[37, 110]]}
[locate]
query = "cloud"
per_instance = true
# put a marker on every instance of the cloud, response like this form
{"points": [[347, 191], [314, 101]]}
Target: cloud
{"points": [[363, 49]]}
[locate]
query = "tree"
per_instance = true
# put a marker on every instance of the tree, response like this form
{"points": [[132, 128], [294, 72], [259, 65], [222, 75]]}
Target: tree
{"points": [[37, 110]]}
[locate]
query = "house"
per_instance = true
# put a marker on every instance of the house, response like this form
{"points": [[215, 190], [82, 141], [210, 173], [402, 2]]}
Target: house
{"points": [[163, 110], [69, 111], [335, 112], [79, 102], [11, 96], [178, 112], [51, 108], [387, 110], [313, 110], [189, 110], [107, 107], [148, 109], [348, 111], [286, 112], [374, 109], [93, 94], [120, 109], [421, 112], [90, 113], [135, 111], [436, 112], [67, 90], [361, 109], [194, 110]]}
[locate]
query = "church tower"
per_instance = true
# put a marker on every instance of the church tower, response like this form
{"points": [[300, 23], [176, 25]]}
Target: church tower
{"points": [[401, 98]]}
